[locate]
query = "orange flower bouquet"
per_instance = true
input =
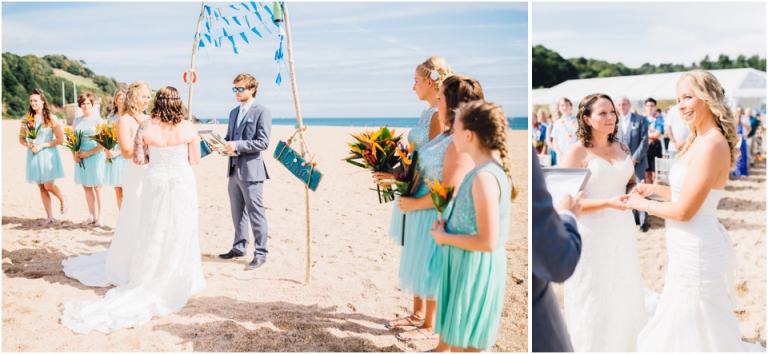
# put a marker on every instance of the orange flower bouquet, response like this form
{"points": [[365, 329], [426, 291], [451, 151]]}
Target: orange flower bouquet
{"points": [[74, 139], [30, 130], [377, 150], [441, 196], [106, 136]]}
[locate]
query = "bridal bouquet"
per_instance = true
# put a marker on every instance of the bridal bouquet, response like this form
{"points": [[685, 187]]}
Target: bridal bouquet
{"points": [[377, 150], [406, 177], [441, 196], [106, 136], [74, 138], [30, 130]]}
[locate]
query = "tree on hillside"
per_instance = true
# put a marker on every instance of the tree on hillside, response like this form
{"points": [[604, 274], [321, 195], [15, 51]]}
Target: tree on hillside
{"points": [[549, 68]]}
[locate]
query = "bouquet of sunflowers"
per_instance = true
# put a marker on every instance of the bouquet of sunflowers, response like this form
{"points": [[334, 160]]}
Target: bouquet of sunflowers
{"points": [[377, 150], [441, 196], [74, 139], [30, 130], [106, 136]]}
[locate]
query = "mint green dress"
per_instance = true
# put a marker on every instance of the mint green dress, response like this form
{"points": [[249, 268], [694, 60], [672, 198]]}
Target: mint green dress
{"points": [[470, 297], [94, 172], [45, 166], [419, 136]]}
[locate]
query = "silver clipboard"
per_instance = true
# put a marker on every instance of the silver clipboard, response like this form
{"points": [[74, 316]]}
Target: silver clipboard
{"points": [[215, 140], [562, 181]]}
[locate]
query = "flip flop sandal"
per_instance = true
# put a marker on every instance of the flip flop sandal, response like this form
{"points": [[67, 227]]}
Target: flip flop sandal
{"points": [[403, 338], [391, 325]]}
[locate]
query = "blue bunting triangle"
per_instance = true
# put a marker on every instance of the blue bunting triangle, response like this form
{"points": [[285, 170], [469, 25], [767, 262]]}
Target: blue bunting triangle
{"points": [[225, 32], [247, 23], [257, 32], [234, 47], [258, 15], [225, 20], [245, 6], [208, 9], [234, 7], [242, 34], [208, 37], [236, 21], [201, 45], [279, 79]]}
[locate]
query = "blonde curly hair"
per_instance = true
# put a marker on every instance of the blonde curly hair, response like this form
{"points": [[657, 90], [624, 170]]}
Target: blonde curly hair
{"points": [[439, 64]]}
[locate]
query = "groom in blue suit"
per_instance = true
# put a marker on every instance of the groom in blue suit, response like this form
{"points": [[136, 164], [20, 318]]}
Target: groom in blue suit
{"points": [[556, 250], [248, 135]]}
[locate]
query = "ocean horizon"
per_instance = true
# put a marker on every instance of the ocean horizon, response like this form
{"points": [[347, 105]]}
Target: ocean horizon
{"points": [[515, 123]]}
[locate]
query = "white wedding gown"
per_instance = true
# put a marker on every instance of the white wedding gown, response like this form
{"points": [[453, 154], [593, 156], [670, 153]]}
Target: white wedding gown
{"points": [[113, 266], [166, 268], [695, 313], [604, 300]]}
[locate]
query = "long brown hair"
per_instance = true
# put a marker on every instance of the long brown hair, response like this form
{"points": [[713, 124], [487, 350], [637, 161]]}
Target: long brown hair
{"points": [[489, 123], [585, 109], [114, 101], [706, 88], [459, 89], [46, 109], [168, 106]]}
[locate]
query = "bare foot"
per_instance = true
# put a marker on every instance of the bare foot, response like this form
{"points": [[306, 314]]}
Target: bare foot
{"points": [[64, 208]]}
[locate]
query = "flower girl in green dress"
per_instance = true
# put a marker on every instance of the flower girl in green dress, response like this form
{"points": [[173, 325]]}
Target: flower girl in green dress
{"points": [[474, 269]]}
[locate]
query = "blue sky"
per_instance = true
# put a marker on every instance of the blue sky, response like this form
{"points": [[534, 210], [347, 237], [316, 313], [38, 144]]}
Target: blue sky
{"points": [[351, 59], [651, 32]]}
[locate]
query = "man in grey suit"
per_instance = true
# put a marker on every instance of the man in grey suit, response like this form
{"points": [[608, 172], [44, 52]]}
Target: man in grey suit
{"points": [[633, 131], [556, 250], [248, 135]]}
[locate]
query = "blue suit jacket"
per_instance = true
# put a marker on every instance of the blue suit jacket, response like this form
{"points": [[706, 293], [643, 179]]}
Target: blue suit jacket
{"points": [[556, 250], [252, 137], [637, 141]]}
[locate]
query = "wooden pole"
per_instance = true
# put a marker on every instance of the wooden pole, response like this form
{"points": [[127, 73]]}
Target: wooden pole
{"points": [[301, 128], [192, 64]]}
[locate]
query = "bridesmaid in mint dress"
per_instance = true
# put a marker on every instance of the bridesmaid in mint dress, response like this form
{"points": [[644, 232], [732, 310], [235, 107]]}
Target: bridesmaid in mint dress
{"points": [[113, 174], [421, 259], [92, 155], [474, 269], [43, 159], [426, 85]]}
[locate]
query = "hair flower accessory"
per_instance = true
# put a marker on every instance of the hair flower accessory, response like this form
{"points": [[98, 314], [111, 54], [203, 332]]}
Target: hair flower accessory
{"points": [[434, 75]]}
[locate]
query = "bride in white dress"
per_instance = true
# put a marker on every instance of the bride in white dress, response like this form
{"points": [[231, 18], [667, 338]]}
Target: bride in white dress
{"points": [[112, 267], [604, 305], [695, 312], [166, 268]]}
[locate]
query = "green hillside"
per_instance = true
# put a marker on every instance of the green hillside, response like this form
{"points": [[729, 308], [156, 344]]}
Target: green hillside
{"points": [[21, 74], [550, 69]]}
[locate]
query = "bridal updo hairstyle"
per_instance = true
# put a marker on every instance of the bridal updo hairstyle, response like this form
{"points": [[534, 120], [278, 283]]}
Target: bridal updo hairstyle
{"points": [[168, 106], [706, 88], [489, 123], [584, 133], [131, 104], [457, 90], [435, 63]]}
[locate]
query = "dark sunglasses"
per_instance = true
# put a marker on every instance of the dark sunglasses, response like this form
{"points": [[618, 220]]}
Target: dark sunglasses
{"points": [[238, 89]]}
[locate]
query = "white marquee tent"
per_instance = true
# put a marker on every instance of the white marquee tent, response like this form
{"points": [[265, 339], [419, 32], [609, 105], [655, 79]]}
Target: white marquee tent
{"points": [[745, 87]]}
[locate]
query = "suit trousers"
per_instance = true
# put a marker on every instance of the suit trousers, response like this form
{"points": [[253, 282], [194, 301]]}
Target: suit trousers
{"points": [[247, 205]]}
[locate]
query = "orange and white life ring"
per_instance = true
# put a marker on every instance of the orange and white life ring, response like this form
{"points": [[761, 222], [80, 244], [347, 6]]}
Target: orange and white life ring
{"points": [[191, 74]]}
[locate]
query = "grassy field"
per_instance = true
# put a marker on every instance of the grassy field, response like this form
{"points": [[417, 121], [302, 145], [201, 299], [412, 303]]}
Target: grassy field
{"points": [[81, 82]]}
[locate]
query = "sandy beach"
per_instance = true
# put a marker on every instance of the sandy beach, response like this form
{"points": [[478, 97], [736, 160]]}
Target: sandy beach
{"points": [[353, 289], [742, 211]]}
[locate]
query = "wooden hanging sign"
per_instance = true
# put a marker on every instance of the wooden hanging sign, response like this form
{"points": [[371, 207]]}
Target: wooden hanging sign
{"points": [[307, 173]]}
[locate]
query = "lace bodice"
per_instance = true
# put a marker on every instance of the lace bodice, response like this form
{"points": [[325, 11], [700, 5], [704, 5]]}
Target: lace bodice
{"points": [[419, 135]]}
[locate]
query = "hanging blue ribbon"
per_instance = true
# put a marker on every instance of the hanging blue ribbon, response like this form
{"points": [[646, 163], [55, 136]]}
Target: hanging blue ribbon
{"points": [[208, 25], [234, 47], [279, 79], [234, 7], [242, 34], [236, 21], [257, 32], [279, 52]]}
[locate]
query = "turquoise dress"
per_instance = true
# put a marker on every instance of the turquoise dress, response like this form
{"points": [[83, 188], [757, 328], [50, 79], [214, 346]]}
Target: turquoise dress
{"points": [[113, 174], [45, 166], [471, 294], [419, 135], [93, 174], [420, 260]]}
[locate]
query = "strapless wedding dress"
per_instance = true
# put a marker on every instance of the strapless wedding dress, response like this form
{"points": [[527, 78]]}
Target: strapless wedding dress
{"points": [[166, 268], [695, 312], [604, 299]]}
